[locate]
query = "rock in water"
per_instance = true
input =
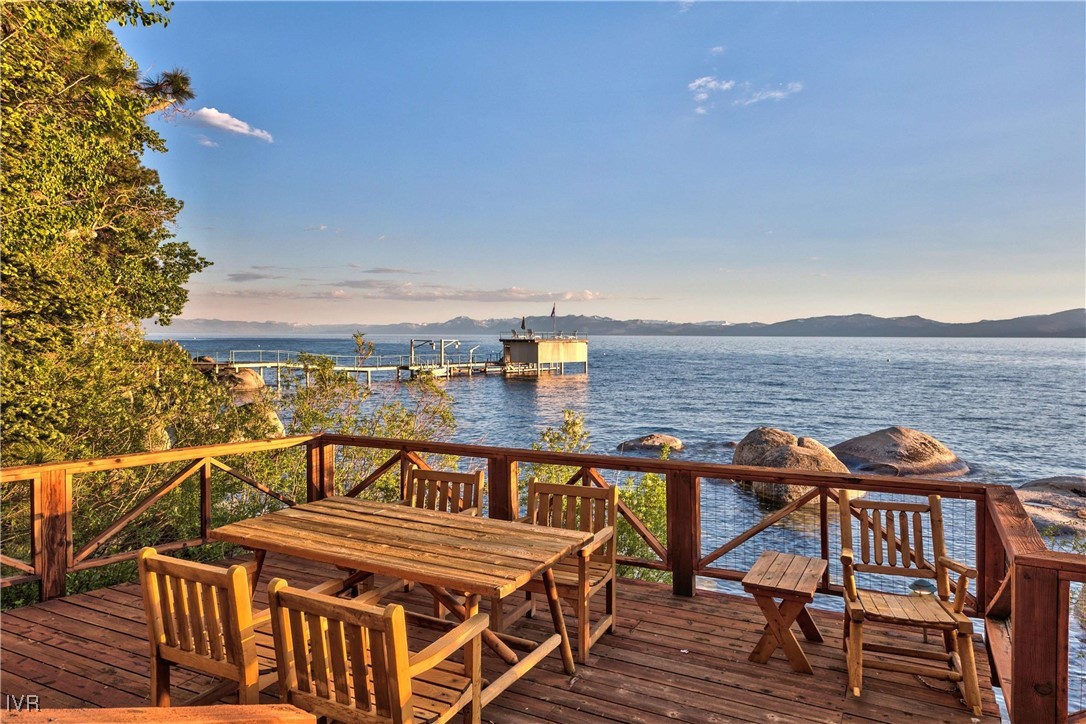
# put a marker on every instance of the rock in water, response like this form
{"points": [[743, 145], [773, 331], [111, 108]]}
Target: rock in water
{"points": [[769, 447], [1056, 505], [655, 441], [900, 451]]}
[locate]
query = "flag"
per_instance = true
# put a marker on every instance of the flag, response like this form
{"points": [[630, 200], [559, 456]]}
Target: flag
{"points": [[553, 307], [523, 323]]}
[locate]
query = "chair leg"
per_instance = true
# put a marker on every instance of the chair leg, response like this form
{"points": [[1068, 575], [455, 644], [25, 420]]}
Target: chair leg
{"points": [[970, 684], [612, 600], [855, 658], [530, 613], [160, 682], [584, 635]]}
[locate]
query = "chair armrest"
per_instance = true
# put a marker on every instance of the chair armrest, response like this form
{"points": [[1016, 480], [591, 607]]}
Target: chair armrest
{"points": [[602, 536], [848, 575], [961, 589], [959, 568], [444, 647], [261, 617]]}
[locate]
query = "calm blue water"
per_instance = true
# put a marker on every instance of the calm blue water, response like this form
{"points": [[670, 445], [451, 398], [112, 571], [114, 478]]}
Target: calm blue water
{"points": [[1015, 409]]}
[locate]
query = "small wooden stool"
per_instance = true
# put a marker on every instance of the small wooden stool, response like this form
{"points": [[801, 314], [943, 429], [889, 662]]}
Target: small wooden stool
{"points": [[793, 579]]}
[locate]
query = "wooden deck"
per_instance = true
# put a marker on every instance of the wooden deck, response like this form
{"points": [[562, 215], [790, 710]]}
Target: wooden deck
{"points": [[672, 659]]}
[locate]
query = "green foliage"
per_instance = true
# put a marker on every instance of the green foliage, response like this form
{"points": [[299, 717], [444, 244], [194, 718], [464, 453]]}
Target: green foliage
{"points": [[571, 437], [86, 248]]}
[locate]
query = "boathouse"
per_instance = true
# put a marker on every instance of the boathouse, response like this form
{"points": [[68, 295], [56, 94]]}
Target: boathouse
{"points": [[529, 353]]}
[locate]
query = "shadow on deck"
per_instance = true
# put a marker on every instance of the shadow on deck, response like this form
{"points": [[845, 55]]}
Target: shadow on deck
{"points": [[671, 659]]}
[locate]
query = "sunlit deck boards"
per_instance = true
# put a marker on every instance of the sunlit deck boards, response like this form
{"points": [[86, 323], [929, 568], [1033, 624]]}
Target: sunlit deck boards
{"points": [[672, 659]]}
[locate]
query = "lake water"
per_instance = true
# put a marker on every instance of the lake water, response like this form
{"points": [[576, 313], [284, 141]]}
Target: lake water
{"points": [[1015, 409]]}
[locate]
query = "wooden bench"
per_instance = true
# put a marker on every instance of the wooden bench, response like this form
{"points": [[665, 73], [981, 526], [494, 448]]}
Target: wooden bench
{"points": [[793, 579], [217, 714]]}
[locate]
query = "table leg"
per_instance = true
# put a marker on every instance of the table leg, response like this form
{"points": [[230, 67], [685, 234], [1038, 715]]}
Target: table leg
{"points": [[255, 571], [808, 626], [778, 632], [467, 609], [559, 620]]}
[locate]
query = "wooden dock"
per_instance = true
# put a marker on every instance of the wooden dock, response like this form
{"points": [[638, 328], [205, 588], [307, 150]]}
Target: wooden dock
{"points": [[523, 354], [671, 659]]}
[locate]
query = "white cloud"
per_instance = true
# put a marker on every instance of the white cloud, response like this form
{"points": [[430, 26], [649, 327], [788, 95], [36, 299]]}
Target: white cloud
{"points": [[685, 5], [225, 122], [703, 89], [770, 94], [318, 227], [207, 142], [717, 50], [409, 292]]}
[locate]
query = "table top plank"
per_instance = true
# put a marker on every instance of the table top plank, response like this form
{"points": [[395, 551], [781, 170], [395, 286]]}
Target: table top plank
{"points": [[463, 553], [785, 574]]}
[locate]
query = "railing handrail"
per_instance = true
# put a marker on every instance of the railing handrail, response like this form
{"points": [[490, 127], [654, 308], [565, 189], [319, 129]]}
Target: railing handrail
{"points": [[908, 486], [17, 473]]}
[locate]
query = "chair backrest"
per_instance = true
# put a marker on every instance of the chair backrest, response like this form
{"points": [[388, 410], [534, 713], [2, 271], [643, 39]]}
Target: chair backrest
{"points": [[444, 490], [339, 658], [892, 538], [574, 507], [199, 616]]}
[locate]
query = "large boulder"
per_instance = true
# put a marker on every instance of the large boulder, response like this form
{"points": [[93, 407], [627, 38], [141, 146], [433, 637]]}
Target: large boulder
{"points": [[1056, 505], [242, 379], [655, 441], [900, 451], [769, 447]]}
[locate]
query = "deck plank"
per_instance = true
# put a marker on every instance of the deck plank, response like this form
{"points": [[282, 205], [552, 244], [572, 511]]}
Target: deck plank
{"points": [[671, 659]]}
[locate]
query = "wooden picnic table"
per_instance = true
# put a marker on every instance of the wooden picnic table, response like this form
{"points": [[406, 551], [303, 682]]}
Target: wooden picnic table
{"points": [[446, 554]]}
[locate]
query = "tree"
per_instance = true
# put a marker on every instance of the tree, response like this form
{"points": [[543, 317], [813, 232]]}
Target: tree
{"points": [[87, 248]]}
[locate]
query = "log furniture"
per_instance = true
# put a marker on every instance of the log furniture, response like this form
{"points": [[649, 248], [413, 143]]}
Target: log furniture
{"points": [[793, 579], [482, 557], [892, 542], [201, 617], [579, 577], [444, 490], [349, 661]]}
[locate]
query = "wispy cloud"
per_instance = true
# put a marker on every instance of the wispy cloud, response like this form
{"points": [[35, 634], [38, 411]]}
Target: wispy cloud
{"points": [[250, 276], [382, 270], [685, 5], [318, 227], [206, 142], [225, 122], [409, 292], [769, 94], [704, 88], [717, 50]]}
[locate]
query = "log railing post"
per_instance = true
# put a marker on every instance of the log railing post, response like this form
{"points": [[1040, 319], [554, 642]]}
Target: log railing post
{"points": [[502, 491], [992, 555], [1035, 649], [320, 470], [205, 499], [52, 531], [683, 530]]}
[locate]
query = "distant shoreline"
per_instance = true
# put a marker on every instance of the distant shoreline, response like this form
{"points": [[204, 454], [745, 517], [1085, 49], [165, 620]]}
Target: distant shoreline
{"points": [[1069, 324]]}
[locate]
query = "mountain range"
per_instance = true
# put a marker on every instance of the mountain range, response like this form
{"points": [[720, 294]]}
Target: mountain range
{"points": [[1069, 323]]}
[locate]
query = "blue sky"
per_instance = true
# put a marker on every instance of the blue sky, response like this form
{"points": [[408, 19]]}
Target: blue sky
{"points": [[379, 162]]}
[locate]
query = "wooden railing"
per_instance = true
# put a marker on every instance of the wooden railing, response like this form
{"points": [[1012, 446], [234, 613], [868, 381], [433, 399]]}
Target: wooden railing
{"points": [[1022, 585]]}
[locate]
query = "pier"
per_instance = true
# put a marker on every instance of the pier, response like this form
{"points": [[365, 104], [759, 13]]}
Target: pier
{"points": [[523, 354]]}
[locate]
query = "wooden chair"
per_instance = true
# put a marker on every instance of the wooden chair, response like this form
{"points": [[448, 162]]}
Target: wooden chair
{"points": [[201, 617], [349, 661], [892, 543], [591, 569], [444, 490]]}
